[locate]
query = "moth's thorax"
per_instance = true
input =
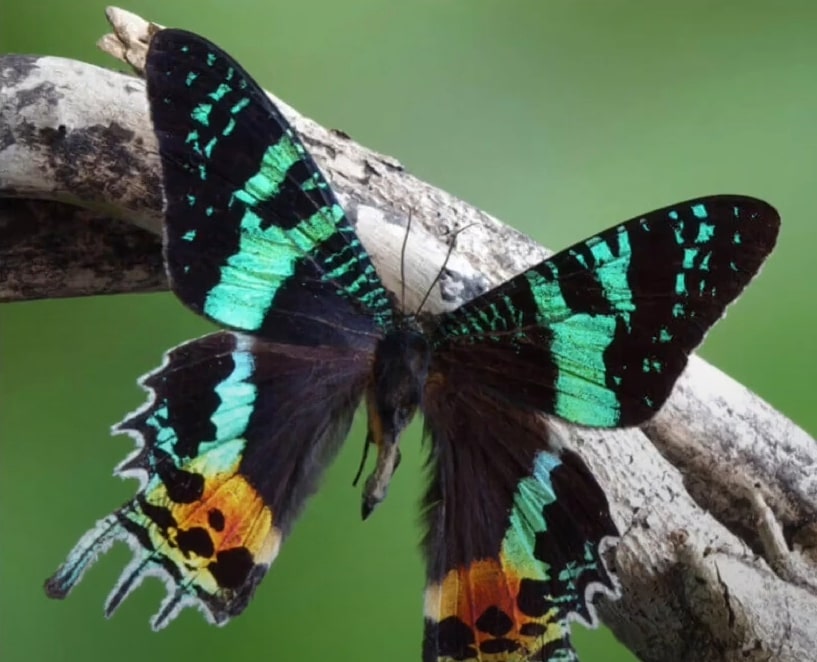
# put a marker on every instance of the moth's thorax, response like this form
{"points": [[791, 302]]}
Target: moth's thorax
{"points": [[394, 393], [399, 373]]}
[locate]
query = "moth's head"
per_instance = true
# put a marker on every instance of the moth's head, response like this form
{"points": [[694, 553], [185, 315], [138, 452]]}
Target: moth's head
{"points": [[393, 397]]}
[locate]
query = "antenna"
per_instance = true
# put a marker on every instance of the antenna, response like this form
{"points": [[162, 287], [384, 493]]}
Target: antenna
{"points": [[403, 262], [442, 268]]}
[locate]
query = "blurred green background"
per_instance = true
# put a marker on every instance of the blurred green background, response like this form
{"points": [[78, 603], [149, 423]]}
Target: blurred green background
{"points": [[559, 117]]}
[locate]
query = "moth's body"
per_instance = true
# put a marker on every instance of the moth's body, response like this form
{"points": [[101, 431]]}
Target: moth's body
{"points": [[394, 393], [240, 424]]}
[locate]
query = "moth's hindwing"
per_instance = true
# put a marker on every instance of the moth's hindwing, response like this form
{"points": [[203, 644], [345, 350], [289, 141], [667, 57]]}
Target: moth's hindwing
{"points": [[599, 333], [254, 237], [517, 526], [221, 478]]}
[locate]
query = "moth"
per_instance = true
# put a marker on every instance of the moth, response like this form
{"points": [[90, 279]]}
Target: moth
{"points": [[240, 424]]}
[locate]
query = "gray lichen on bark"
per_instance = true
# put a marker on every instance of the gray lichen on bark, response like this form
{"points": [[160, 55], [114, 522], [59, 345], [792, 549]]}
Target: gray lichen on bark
{"points": [[716, 497]]}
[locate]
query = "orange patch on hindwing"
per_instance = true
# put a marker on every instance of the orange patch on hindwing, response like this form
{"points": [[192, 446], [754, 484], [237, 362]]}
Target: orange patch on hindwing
{"points": [[227, 530], [484, 597]]}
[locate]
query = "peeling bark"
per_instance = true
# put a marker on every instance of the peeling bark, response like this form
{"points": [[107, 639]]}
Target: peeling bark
{"points": [[716, 497]]}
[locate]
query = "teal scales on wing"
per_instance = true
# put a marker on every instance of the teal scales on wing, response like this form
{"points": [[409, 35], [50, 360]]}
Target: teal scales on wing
{"points": [[240, 424], [254, 237]]}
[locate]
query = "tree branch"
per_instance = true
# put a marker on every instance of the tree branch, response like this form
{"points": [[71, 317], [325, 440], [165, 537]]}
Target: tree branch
{"points": [[716, 497]]}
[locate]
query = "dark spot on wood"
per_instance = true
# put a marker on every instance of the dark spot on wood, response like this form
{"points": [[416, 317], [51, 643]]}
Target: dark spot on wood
{"points": [[52, 249], [45, 94], [7, 138], [459, 288], [16, 68], [26, 133], [50, 137]]}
